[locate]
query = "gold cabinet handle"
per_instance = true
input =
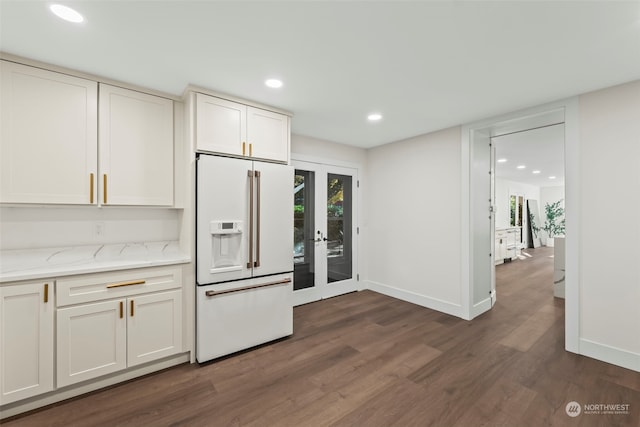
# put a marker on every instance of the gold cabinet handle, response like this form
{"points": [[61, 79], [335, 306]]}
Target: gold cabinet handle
{"points": [[46, 293], [104, 188], [131, 308], [130, 283], [121, 309], [91, 188], [250, 150], [244, 144]]}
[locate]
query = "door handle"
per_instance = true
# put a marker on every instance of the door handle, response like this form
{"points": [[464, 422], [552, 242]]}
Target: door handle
{"points": [[257, 262], [250, 263]]}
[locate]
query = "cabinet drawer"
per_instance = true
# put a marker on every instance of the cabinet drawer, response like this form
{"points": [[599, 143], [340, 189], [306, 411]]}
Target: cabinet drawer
{"points": [[102, 286]]}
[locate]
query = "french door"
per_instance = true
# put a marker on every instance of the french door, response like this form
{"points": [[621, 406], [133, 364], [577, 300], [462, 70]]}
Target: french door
{"points": [[325, 231]]}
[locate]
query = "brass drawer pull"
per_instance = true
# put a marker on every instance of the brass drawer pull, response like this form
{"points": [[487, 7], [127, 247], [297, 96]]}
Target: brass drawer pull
{"points": [[121, 309], [131, 283], [91, 188], [131, 308], [46, 293], [104, 189]]}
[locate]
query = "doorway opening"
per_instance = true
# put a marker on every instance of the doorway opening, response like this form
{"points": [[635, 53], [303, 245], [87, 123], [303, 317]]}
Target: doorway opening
{"points": [[479, 292], [529, 204]]}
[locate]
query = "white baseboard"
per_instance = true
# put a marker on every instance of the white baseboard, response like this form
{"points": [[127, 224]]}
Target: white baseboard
{"points": [[479, 308], [425, 301], [613, 355], [64, 393]]}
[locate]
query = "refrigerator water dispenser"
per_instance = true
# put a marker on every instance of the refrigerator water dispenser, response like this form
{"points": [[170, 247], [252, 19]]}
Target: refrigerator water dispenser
{"points": [[226, 245]]}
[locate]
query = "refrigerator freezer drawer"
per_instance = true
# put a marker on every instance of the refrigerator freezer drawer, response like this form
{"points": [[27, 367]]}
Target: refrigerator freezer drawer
{"points": [[239, 315]]}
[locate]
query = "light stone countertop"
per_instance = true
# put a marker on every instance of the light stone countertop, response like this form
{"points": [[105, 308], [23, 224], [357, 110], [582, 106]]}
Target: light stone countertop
{"points": [[49, 263]]}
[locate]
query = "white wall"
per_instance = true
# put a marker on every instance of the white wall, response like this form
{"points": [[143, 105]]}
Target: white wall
{"points": [[504, 189], [609, 226], [413, 218], [307, 146], [42, 227], [550, 195]]}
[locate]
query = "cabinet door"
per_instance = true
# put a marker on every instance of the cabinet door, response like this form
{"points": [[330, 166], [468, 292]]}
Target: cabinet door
{"points": [[26, 341], [154, 326], [220, 126], [136, 148], [268, 134], [48, 137], [92, 341]]}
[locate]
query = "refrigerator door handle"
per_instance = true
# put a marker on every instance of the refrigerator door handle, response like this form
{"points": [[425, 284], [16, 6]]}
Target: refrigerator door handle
{"points": [[257, 263], [250, 263]]}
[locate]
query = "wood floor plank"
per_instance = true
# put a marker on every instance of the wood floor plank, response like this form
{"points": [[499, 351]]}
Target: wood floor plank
{"points": [[525, 335], [365, 359]]}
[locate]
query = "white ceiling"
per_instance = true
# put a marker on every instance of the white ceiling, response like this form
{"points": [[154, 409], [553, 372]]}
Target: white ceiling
{"points": [[539, 149], [425, 65]]}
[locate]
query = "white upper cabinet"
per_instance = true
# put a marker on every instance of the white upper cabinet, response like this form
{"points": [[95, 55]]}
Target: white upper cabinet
{"points": [[136, 148], [268, 134], [228, 127], [48, 137], [221, 126]]}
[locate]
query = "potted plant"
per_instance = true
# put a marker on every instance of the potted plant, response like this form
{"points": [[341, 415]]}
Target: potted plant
{"points": [[553, 224]]}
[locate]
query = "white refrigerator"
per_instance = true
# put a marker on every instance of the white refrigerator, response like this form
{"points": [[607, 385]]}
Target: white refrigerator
{"points": [[244, 254]]}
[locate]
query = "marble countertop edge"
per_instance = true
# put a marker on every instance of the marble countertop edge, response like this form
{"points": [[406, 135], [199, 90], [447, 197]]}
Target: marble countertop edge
{"points": [[50, 263], [63, 271]]}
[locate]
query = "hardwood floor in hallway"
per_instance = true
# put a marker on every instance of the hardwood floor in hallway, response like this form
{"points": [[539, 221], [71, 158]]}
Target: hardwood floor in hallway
{"points": [[365, 359]]}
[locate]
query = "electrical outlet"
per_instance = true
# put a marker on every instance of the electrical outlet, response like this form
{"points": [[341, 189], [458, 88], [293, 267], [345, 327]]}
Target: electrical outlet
{"points": [[99, 229]]}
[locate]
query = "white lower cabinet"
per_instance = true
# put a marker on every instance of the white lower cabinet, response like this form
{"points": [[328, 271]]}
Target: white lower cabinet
{"points": [[26, 340], [92, 341], [100, 338], [154, 327]]}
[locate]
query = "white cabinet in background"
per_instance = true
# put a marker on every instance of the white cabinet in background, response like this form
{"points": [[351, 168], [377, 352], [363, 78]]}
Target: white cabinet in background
{"points": [[26, 340], [48, 137], [136, 148], [119, 320], [508, 244], [228, 127], [501, 247]]}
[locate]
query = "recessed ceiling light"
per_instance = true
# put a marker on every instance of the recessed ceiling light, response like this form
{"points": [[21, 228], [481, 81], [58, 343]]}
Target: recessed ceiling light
{"points": [[536, 172], [520, 166], [66, 13], [274, 83], [552, 177], [502, 160], [374, 117]]}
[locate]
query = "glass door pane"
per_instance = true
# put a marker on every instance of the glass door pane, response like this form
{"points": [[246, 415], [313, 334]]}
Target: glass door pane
{"points": [[304, 229], [339, 227]]}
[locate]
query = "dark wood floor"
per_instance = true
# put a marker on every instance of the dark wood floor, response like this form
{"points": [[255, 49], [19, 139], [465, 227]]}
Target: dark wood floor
{"points": [[364, 359]]}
